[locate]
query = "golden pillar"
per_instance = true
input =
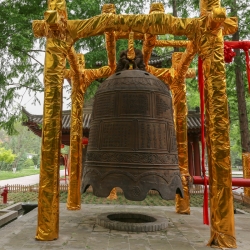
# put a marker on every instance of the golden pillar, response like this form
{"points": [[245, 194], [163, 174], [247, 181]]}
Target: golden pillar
{"points": [[176, 82], [246, 171], [55, 59], [181, 62], [77, 62], [217, 125]]}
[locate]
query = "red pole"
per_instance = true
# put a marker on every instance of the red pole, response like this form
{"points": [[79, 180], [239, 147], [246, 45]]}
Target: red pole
{"points": [[245, 45], [238, 182], [203, 143]]}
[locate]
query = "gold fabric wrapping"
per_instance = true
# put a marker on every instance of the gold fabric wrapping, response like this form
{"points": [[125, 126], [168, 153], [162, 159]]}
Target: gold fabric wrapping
{"points": [[191, 73], [246, 171], [125, 35], [131, 51], [92, 74], [112, 195], [110, 39], [181, 62], [166, 43], [149, 40], [208, 5], [111, 49], [48, 203], [230, 26], [217, 136], [57, 47], [108, 8], [77, 99], [209, 39], [156, 23], [80, 82], [148, 46], [166, 75]]}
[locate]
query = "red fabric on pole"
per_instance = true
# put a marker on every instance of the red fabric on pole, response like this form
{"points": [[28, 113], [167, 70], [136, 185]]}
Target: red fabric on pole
{"points": [[245, 45], [248, 69], [85, 141], [236, 182], [202, 105], [229, 54]]}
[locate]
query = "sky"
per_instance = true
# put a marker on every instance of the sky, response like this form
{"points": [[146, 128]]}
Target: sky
{"points": [[37, 109]]}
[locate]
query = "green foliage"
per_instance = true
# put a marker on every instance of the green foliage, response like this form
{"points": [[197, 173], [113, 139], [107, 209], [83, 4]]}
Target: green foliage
{"points": [[65, 150], [21, 144], [35, 159], [19, 66], [27, 163], [6, 158], [5, 175]]}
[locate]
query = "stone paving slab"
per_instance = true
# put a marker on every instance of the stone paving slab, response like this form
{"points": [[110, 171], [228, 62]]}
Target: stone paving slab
{"points": [[78, 230]]}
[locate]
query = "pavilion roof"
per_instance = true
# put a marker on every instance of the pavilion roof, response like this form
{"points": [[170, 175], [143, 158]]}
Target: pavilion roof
{"points": [[34, 122]]}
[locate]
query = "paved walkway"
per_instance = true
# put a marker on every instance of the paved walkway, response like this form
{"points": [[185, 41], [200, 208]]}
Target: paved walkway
{"points": [[26, 180], [78, 230]]}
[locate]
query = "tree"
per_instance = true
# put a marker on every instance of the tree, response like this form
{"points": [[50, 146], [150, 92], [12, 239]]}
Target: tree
{"points": [[19, 66], [240, 86], [6, 158], [21, 144], [20, 51], [35, 159]]}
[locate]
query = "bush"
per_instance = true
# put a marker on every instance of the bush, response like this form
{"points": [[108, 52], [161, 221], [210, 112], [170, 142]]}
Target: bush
{"points": [[6, 158], [35, 159], [27, 163]]}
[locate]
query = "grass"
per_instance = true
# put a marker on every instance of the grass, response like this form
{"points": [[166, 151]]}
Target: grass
{"points": [[196, 200], [5, 175]]}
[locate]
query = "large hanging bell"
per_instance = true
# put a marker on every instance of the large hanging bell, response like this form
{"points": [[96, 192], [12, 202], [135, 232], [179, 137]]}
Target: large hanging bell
{"points": [[132, 142]]}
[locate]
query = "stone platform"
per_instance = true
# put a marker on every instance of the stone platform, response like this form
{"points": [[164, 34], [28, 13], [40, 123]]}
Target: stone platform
{"points": [[79, 230]]}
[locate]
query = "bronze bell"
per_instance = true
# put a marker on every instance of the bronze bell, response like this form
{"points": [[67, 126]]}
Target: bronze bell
{"points": [[132, 142]]}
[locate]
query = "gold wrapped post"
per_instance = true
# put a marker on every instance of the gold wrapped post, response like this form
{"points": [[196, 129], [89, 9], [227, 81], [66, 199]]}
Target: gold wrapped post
{"points": [[149, 40], [77, 64], [246, 171], [181, 62], [217, 126], [55, 59], [81, 78], [207, 6], [110, 39], [112, 195], [131, 50], [166, 43]]}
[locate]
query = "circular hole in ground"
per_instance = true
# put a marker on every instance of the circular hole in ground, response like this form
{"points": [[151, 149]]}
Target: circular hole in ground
{"points": [[131, 218], [134, 222]]}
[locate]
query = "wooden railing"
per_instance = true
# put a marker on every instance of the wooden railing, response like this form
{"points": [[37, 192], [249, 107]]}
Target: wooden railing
{"points": [[15, 188]]}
